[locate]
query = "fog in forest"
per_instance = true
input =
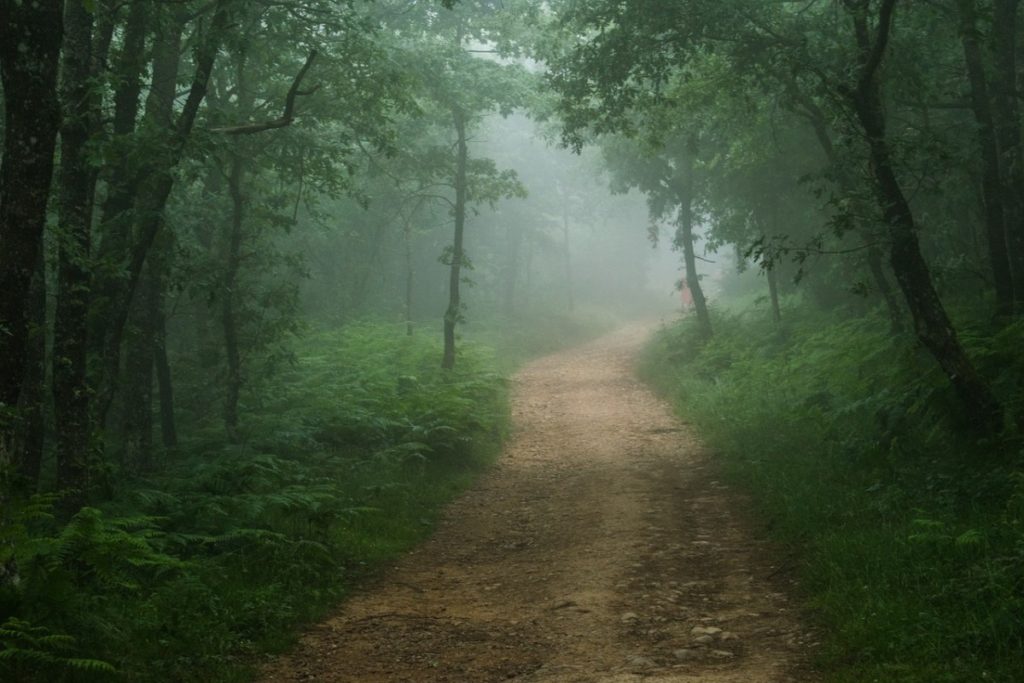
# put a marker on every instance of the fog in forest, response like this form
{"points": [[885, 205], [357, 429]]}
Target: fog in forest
{"points": [[548, 340], [564, 241]]}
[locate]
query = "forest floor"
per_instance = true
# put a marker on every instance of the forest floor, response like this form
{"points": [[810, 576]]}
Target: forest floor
{"points": [[601, 548]]}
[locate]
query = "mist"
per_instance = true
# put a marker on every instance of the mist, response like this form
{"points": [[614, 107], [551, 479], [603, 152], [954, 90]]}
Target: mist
{"points": [[533, 339]]}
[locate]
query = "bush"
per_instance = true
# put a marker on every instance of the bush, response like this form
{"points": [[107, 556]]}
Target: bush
{"points": [[908, 528]]}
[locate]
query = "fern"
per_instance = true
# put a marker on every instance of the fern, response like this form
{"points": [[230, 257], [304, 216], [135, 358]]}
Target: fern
{"points": [[187, 572], [31, 651]]}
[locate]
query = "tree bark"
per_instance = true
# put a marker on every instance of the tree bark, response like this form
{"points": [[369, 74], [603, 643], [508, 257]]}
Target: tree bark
{"points": [[155, 187], [410, 275], [137, 396], [892, 304], [1006, 118], [32, 425], [454, 312], [931, 323], [122, 181], [229, 286], [77, 180], [168, 420], [991, 177], [684, 239], [567, 256], [30, 40], [158, 315], [773, 215]]}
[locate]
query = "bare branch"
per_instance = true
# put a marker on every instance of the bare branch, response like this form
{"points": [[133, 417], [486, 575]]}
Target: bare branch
{"points": [[287, 116]]}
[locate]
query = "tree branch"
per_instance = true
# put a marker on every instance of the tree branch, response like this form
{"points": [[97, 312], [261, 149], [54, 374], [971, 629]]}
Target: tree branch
{"points": [[874, 59], [287, 116]]}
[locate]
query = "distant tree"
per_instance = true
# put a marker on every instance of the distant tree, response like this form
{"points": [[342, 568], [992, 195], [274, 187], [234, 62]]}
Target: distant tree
{"points": [[464, 87], [668, 177]]}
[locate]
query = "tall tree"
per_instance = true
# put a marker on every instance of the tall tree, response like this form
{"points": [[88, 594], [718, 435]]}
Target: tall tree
{"points": [[1006, 122], [77, 185], [992, 174], [30, 40], [931, 322], [154, 190]]}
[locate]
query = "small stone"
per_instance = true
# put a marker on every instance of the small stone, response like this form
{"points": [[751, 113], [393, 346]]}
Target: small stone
{"points": [[684, 654], [723, 654], [628, 617], [705, 631], [562, 604], [728, 635], [704, 640], [641, 662]]}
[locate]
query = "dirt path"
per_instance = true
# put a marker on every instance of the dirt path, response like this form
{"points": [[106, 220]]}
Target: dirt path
{"points": [[600, 549]]}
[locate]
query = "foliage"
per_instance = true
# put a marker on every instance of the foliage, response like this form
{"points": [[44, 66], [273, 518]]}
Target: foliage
{"points": [[188, 573], [907, 533], [30, 651]]}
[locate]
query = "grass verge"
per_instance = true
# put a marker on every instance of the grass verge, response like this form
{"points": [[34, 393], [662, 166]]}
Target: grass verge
{"points": [[908, 530]]}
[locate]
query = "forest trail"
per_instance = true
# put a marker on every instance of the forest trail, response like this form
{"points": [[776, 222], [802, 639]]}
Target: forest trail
{"points": [[600, 549]]}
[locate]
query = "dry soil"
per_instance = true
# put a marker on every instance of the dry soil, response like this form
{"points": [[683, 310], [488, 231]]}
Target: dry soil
{"points": [[602, 548]]}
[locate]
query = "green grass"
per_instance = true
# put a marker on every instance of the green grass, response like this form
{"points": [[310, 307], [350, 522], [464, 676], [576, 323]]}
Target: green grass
{"points": [[908, 530], [195, 572]]}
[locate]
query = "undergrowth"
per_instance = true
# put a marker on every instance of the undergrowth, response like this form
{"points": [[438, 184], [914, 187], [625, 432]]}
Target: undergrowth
{"points": [[908, 530], [192, 573]]}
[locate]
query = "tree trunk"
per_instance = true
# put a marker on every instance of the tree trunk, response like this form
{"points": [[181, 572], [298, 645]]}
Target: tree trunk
{"points": [[370, 267], [770, 275], [892, 304], [155, 187], [684, 239], [158, 315], [513, 253], [409, 275], [229, 286], [31, 410], [30, 41], [145, 341], [1006, 119], [816, 117], [931, 323], [454, 312], [137, 396], [991, 178], [570, 299], [105, 23], [146, 345], [77, 182], [122, 184]]}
